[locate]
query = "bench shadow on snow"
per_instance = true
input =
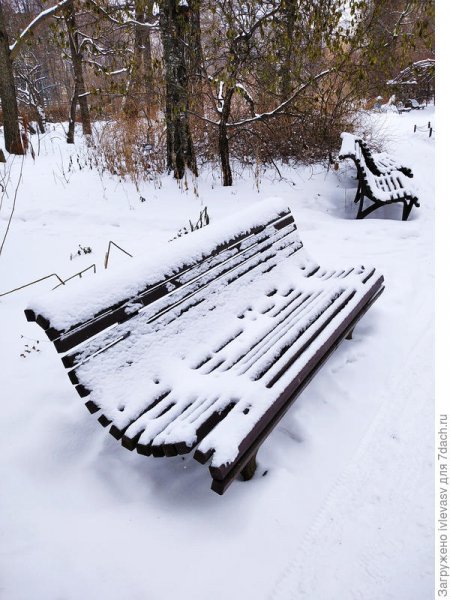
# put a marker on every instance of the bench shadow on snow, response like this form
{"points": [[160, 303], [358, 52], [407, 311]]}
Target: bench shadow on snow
{"points": [[180, 481]]}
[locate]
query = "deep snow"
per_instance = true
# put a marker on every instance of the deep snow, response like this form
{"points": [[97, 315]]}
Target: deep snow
{"points": [[345, 510]]}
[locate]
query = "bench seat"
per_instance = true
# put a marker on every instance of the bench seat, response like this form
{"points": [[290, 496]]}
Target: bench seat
{"points": [[214, 344]]}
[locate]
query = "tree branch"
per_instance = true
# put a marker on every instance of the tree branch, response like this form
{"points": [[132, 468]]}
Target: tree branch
{"points": [[283, 105], [31, 27]]}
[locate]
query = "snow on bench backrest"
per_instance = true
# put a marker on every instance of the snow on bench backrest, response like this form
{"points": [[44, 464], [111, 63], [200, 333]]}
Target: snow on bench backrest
{"points": [[111, 293], [350, 146]]}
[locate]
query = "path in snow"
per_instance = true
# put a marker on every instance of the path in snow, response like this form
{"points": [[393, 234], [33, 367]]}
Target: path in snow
{"points": [[364, 542]]}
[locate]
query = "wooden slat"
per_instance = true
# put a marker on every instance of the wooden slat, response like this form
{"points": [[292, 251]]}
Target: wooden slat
{"points": [[301, 330], [119, 433], [205, 422], [262, 244], [292, 323], [297, 301], [196, 291], [325, 319], [131, 434], [205, 427], [154, 400], [254, 439], [111, 315]]}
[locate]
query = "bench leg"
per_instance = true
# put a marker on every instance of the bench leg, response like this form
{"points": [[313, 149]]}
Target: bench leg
{"points": [[407, 208], [349, 335], [358, 193], [361, 211], [249, 470], [366, 211]]}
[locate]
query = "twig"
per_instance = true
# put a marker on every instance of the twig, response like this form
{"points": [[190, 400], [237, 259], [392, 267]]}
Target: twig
{"points": [[5, 181], [111, 243], [79, 274], [32, 283], [14, 205]]}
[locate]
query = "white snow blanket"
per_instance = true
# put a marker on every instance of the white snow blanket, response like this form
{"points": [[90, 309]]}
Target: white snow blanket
{"points": [[341, 506]]}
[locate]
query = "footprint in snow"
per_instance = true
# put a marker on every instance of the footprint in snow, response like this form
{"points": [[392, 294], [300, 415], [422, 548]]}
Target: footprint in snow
{"points": [[293, 435], [349, 359], [409, 234]]}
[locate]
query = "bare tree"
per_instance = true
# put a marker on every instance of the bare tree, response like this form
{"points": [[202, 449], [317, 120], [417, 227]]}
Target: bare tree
{"points": [[8, 53]]}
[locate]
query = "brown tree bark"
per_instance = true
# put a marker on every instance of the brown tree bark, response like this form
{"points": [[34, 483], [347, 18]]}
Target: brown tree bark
{"points": [[79, 96], [224, 150], [13, 140], [174, 24], [72, 118]]}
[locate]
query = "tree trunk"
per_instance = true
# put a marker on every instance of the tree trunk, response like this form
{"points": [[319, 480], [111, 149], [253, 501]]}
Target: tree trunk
{"points": [[80, 96], [224, 150], [41, 118], [13, 140], [72, 117], [174, 24]]}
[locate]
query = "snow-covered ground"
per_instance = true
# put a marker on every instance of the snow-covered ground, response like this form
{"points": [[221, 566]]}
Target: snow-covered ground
{"points": [[345, 510]]}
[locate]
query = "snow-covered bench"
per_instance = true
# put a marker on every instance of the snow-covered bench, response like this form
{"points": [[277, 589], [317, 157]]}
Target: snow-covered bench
{"points": [[205, 345], [381, 178], [415, 105]]}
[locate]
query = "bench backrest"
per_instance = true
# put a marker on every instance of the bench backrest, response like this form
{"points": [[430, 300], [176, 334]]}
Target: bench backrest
{"points": [[358, 150], [352, 148], [70, 315]]}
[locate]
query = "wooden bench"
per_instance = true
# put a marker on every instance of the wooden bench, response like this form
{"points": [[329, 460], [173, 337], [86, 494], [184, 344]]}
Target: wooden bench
{"points": [[382, 180], [206, 345]]}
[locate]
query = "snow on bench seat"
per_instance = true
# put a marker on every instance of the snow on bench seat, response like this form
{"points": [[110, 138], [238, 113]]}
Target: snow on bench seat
{"points": [[209, 352]]}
